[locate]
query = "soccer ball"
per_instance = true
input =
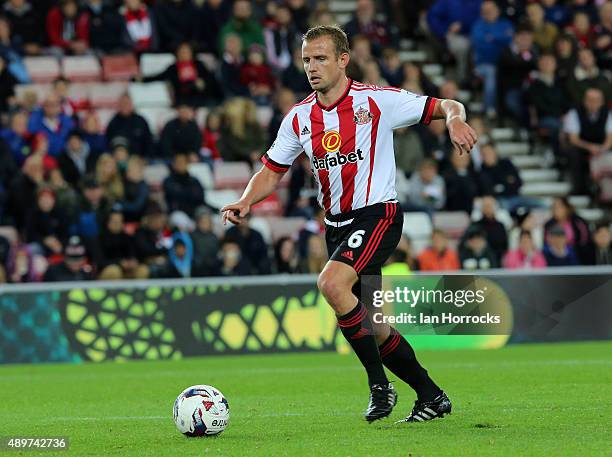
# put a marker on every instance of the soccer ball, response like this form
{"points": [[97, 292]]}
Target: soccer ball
{"points": [[201, 411]]}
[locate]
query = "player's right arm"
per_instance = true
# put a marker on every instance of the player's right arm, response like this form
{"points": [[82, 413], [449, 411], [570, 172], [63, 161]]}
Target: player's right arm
{"points": [[276, 162]]}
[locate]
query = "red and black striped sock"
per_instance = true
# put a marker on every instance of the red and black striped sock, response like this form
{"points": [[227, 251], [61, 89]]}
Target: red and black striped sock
{"points": [[399, 357], [357, 329]]}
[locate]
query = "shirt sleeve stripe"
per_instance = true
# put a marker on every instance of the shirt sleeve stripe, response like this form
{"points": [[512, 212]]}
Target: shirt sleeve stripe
{"points": [[428, 110], [274, 166]]}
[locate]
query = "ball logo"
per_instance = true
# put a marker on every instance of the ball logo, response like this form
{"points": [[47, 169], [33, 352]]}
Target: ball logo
{"points": [[331, 141]]}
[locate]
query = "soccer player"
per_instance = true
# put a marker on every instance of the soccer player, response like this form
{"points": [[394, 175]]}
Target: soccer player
{"points": [[346, 130]]}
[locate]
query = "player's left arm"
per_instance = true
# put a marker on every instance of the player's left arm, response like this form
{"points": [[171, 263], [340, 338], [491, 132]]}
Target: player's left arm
{"points": [[461, 134]]}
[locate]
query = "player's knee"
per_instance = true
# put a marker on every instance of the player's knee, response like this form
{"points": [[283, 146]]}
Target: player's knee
{"points": [[334, 289]]}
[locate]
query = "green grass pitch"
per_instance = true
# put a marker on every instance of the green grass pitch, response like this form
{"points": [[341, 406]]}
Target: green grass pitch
{"points": [[527, 400]]}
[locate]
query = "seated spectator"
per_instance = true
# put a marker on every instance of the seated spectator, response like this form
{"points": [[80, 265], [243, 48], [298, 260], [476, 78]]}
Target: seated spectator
{"points": [[396, 264], [391, 67], [603, 37], [439, 256], [364, 22], [205, 244], [26, 25], [578, 236], [451, 23], [252, 245], [68, 28], [587, 75], [108, 176], [140, 28], [556, 12], [182, 191], [409, 150], [8, 171], [589, 131], [176, 23], [461, 184], [149, 240], [105, 27], [557, 251], [46, 228], [525, 221], [286, 256], [437, 143], [132, 127], [372, 75], [210, 137], [582, 29], [603, 248], [489, 36], [513, 68], [92, 134], [300, 12], [5, 247], [93, 210], [544, 32], [497, 238], [181, 135], [231, 66], [21, 265], [241, 23], [50, 120], [233, 263], [7, 86], [281, 37], [71, 106], [475, 254], [74, 266], [211, 16], [117, 258], [415, 80], [427, 190], [242, 138], [17, 137], [67, 198], [566, 54], [22, 191], [525, 256], [136, 191], [192, 83], [316, 255], [405, 245], [77, 160], [180, 257], [257, 75], [283, 102]]}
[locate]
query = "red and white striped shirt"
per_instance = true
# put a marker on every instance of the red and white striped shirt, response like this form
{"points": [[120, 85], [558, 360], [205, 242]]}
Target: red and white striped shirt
{"points": [[349, 143]]}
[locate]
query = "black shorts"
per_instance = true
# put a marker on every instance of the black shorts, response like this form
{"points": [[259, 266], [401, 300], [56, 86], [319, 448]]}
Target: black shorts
{"points": [[366, 242]]}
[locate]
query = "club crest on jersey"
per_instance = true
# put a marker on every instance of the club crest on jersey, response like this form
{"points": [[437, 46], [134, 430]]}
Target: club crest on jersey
{"points": [[362, 116], [331, 141]]}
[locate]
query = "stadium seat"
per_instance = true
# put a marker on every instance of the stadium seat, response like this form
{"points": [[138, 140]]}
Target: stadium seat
{"points": [[150, 95], [154, 175], [270, 206], [555, 189], [153, 64], [105, 116], [452, 222], [106, 95], [41, 90], [203, 173], [81, 68], [200, 116], [219, 198], [157, 117], [264, 114], [42, 69], [120, 68], [231, 175], [285, 226], [417, 226]]}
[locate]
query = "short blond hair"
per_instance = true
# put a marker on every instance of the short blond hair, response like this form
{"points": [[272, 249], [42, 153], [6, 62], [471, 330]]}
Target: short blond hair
{"points": [[337, 35]]}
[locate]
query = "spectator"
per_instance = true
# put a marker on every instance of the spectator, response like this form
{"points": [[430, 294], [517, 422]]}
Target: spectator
{"points": [[439, 256], [514, 65], [451, 22], [231, 66], [105, 27], [557, 251], [603, 249], [405, 245], [65, 195], [181, 135], [68, 28], [587, 75], [176, 23], [242, 138], [281, 37], [437, 144], [233, 262], [365, 23], [205, 244], [589, 131], [295, 78], [191, 82], [74, 267], [93, 210], [46, 225], [581, 28], [300, 13], [182, 191], [21, 265], [211, 16], [415, 81], [525, 256], [136, 191], [242, 24], [118, 252], [132, 127], [283, 102], [578, 236], [70, 107], [77, 160], [391, 67], [8, 170], [26, 24], [544, 32], [427, 188], [92, 134], [461, 184], [10, 53], [180, 257], [316, 255], [475, 254], [210, 136], [565, 52], [490, 35], [5, 247], [252, 245], [108, 176], [556, 12], [525, 221], [285, 256], [497, 238], [17, 137], [139, 27], [149, 240], [53, 123], [256, 74], [603, 37], [22, 191], [372, 75]]}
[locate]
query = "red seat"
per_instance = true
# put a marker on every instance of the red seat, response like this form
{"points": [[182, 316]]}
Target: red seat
{"points": [[120, 68]]}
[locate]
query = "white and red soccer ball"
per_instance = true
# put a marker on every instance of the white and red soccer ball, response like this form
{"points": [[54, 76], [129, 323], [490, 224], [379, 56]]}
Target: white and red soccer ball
{"points": [[201, 411]]}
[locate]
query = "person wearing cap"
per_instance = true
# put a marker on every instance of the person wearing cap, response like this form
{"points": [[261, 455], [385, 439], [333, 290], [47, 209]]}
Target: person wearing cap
{"points": [[74, 267], [557, 251], [181, 135], [475, 254]]}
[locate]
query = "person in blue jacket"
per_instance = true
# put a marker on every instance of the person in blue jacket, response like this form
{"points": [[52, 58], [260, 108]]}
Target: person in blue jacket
{"points": [[50, 120]]}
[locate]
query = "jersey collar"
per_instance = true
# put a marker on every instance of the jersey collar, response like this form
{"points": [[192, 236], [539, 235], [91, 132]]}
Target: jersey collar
{"points": [[337, 102]]}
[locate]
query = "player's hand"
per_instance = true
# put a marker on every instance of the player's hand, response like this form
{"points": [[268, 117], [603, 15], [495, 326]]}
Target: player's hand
{"points": [[462, 135], [235, 212]]}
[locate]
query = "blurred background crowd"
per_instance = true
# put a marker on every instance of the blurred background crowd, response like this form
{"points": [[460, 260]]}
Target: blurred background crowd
{"points": [[125, 126]]}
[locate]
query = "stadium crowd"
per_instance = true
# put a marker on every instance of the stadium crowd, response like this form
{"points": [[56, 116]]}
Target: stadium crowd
{"points": [[77, 198]]}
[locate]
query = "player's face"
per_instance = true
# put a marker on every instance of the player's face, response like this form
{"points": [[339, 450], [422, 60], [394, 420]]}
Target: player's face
{"points": [[321, 64]]}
